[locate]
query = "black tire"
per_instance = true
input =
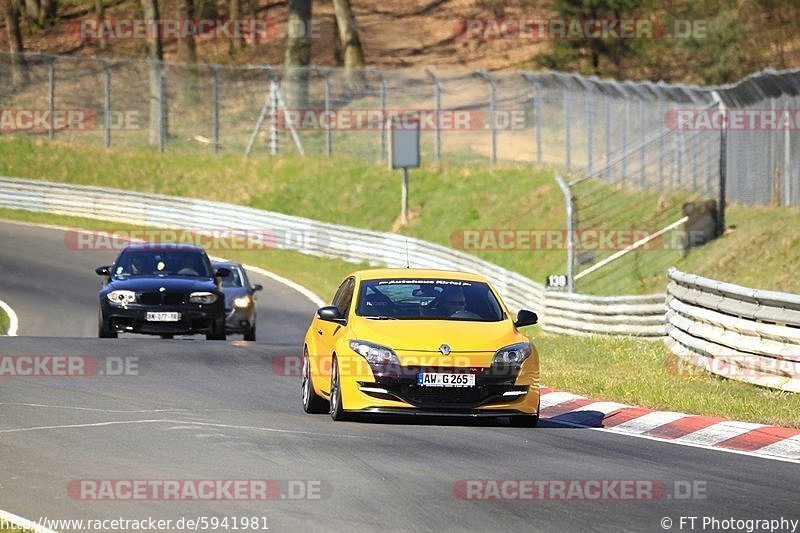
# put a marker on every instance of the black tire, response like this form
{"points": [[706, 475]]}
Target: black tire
{"points": [[167, 336], [524, 421], [102, 331], [250, 334], [337, 410], [312, 402], [218, 333]]}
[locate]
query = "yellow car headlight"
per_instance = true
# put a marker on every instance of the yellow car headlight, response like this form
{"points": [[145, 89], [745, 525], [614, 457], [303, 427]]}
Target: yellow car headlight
{"points": [[375, 354], [514, 354]]}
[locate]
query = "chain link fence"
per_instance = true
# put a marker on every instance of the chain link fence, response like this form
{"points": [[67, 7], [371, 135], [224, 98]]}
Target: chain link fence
{"points": [[634, 154], [580, 124]]}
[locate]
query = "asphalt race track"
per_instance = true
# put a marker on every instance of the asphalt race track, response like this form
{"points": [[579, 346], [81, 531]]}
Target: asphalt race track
{"points": [[210, 410]]}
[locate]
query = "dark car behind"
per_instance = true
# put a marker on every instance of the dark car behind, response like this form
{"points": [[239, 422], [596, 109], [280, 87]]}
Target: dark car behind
{"points": [[162, 289], [240, 306]]}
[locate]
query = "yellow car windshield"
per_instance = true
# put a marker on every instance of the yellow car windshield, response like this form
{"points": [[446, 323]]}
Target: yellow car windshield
{"points": [[420, 299]]}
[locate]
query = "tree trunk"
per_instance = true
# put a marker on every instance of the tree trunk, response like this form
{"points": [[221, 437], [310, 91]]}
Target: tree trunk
{"points": [[187, 51], [29, 10], [19, 67], [298, 55], [352, 52], [47, 12], [155, 53], [252, 9], [234, 12], [206, 9], [100, 14]]}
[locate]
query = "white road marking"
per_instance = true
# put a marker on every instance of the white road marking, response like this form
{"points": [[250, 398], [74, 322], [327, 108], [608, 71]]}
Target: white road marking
{"points": [[75, 408], [23, 523], [722, 431], [649, 421], [554, 398], [171, 421], [785, 448], [13, 320], [603, 407]]}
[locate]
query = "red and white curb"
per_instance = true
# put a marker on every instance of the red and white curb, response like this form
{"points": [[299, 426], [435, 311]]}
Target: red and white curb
{"points": [[772, 442]]}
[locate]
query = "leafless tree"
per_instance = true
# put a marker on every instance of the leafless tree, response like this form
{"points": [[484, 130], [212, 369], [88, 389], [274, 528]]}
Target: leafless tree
{"points": [[19, 67], [298, 54]]}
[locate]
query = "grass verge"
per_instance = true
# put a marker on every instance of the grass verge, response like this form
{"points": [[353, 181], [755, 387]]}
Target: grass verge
{"points": [[616, 369], [4, 322], [444, 201]]}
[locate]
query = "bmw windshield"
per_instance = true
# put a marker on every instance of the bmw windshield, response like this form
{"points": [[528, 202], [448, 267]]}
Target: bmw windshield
{"points": [[432, 299], [162, 263]]}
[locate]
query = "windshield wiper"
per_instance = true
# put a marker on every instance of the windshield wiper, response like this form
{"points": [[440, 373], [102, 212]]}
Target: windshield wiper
{"points": [[381, 317]]}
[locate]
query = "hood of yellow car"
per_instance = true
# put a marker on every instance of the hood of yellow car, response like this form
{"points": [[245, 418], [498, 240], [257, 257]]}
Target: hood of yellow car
{"points": [[429, 335]]}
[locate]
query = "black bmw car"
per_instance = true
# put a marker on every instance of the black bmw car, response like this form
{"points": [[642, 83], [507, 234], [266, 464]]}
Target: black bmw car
{"points": [[240, 300], [162, 289]]}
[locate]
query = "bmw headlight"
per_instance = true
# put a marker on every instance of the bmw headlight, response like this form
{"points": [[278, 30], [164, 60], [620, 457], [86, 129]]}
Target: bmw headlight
{"points": [[202, 297], [514, 354], [375, 354], [121, 297], [241, 301]]}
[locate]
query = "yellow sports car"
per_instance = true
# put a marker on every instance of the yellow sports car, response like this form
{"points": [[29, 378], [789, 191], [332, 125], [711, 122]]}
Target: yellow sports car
{"points": [[413, 341]]}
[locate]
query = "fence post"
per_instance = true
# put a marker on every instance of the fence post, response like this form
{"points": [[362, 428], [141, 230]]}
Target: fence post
{"points": [[723, 148], [642, 135], [437, 109], [107, 101], [787, 160], [536, 97], [607, 117], [625, 131], [567, 130], [588, 108], [537, 110], [328, 90], [273, 117], [492, 110], [661, 147], [570, 205], [215, 107], [52, 94], [382, 80]]}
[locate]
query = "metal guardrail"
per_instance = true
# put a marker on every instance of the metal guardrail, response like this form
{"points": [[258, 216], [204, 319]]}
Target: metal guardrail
{"points": [[560, 313], [737, 332]]}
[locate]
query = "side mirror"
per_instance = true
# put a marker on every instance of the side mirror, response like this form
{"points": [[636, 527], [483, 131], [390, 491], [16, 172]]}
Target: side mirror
{"points": [[525, 318], [222, 272], [331, 313], [103, 270], [257, 287]]}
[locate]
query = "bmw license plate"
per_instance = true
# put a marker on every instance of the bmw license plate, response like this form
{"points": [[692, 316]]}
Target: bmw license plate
{"points": [[162, 316], [428, 379]]}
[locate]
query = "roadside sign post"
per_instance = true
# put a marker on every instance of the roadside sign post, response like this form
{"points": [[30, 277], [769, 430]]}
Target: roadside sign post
{"points": [[404, 153]]}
